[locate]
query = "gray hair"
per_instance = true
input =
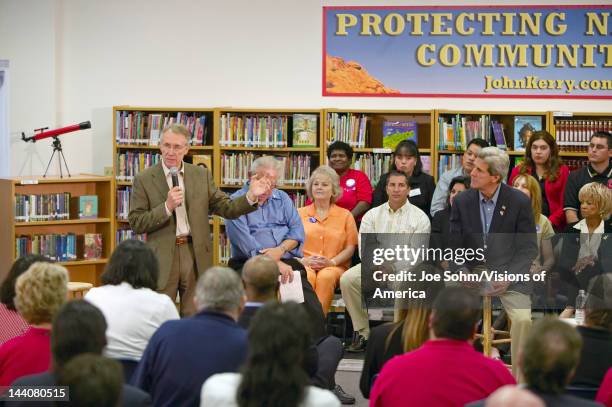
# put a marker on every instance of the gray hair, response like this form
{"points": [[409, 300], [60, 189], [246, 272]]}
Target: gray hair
{"points": [[325, 171], [267, 161], [497, 160], [177, 128], [219, 289]]}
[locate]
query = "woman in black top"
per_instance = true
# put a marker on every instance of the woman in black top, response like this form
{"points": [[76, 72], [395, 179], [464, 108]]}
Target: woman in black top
{"points": [[409, 331], [406, 158]]}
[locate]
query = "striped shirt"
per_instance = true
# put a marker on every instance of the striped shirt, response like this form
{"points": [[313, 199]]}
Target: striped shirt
{"points": [[11, 324]]}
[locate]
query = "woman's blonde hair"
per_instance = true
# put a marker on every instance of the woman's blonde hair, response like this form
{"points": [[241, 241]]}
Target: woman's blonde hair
{"points": [[329, 172], [533, 186], [600, 195], [41, 291]]}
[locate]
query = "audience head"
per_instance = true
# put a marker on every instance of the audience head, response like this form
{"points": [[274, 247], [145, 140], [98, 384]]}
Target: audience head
{"points": [[174, 144], [398, 188], [598, 307], [273, 374], [40, 292], [542, 149], [490, 168], [511, 396], [406, 158], [269, 167], [220, 289], [94, 381], [79, 327], [413, 314], [132, 262], [20, 266], [260, 276], [595, 200], [530, 187], [471, 153], [456, 311], [339, 156], [456, 186], [324, 183], [600, 147], [550, 355]]}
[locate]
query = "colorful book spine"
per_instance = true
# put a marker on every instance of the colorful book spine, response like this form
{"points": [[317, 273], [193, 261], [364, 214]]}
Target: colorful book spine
{"points": [[57, 247], [246, 130], [235, 168], [373, 165], [574, 135], [42, 207], [127, 234], [130, 163], [347, 127], [144, 128], [123, 203], [448, 162]]}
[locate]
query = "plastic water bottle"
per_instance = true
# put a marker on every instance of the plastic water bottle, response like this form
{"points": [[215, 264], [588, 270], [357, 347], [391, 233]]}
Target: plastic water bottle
{"points": [[580, 304]]}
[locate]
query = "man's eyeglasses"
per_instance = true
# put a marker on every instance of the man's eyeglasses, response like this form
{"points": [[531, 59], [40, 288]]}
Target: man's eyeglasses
{"points": [[174, 147]]}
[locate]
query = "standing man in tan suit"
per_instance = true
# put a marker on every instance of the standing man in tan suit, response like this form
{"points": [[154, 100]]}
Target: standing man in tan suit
{"points": [[176, 218]]}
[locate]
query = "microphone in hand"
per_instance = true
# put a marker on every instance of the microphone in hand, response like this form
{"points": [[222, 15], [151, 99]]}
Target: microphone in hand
{"points": [[174, 175]]}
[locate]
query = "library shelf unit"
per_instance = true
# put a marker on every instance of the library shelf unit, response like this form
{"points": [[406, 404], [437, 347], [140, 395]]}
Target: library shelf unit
{"points": [[78, 185], [505, 118], [237, 143], [367, 138], [136, 132]]}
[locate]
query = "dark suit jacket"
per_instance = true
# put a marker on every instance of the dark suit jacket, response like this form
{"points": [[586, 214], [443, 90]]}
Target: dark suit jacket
{"points": [[595, 357], [130, 396], [511, 241], [148, 214]]}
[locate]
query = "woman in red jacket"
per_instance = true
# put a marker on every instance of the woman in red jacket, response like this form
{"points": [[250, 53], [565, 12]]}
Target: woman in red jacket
{"points": [[543, 162]]}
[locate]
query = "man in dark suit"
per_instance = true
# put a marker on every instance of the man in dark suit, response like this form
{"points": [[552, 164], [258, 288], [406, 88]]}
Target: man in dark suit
{"points": [[498, 221], [175, 218], [79, 327], [260, 275], [182, 354]]}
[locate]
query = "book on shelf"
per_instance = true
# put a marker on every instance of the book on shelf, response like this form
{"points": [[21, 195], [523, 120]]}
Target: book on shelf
{"points": [[42, 207], [205, 160], [143, 128], [574, 135], [130, 163], [396, 131], [299, 198], [123, 203], [347, 127], [224, 248], [57, 247], [524, 127], [455, 132], [448, 162], [253, 130], [575, 163], [92, 246], [127, 234], [304, 130], [85, 207], [373, 165], [235, 168], [499, 137]]}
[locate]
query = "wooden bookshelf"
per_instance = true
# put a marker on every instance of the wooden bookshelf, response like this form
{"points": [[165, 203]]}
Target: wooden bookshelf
{"points": [[81, 269], [374, 130], [121, 146]]}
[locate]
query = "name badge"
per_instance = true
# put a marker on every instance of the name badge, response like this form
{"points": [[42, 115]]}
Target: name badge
{"points": [[415, 192], [350, 182]]}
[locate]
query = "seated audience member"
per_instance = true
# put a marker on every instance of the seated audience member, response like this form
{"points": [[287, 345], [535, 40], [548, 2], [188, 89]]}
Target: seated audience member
{"points": [[587, 248], [260, 276], [406, 159], [409, 331], [604, 394], [445, 370], [11, 323], [39, 293], [549, 359], [542, 161], [182, 354], [275, 230], [510, 396], [78, 328], [355, 186], [330, 235], [93, 380], [439, 200], [397, 215], [599, 170], [273, 373], [131, 307], [440, 223], [596, 333]]}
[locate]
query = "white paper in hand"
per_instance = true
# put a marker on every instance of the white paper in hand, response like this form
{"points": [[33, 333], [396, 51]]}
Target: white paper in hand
{"points": [[292, 291]]}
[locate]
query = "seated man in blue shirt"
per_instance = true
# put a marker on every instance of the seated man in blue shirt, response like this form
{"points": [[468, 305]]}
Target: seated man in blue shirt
{"points": [[183, 353], [275, 230]]}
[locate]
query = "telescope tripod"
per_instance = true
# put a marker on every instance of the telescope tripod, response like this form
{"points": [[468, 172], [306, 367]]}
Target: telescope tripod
{"points": [[57, 148]]}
